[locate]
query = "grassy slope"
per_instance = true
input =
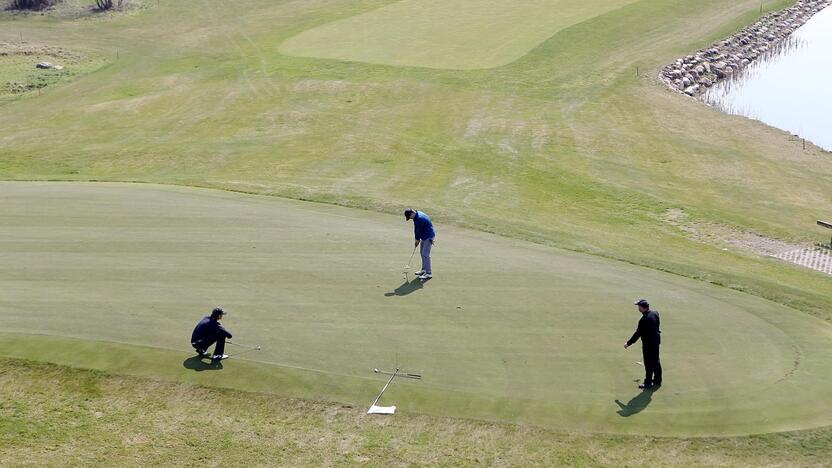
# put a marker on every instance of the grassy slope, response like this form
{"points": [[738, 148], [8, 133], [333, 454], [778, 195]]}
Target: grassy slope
{"points": [[497, 334], [565, 146], [51, 414]]}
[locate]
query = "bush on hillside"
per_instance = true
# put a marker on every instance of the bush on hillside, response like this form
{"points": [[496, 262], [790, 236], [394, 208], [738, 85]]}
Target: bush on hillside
{"points": [[104, 5], [32, 4]]}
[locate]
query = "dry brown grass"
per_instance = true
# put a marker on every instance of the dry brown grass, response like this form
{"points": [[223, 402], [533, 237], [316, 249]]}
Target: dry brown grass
{"points": [[55, 415]]}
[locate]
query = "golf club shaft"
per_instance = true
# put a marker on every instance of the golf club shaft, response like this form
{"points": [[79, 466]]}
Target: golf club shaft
{"points": [[242, 352], [243, 346], [411, 256], [401, 374]]}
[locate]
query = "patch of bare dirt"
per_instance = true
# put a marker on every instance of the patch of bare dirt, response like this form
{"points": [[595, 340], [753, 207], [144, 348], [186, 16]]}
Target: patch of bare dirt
{"points": [[24, 48], [725, 236]]}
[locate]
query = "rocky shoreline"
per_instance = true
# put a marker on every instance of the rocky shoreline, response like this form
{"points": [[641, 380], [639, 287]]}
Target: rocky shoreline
{"points": [[694, 74]]}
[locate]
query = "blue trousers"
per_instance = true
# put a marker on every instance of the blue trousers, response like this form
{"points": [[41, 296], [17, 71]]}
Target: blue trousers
{"points": [[424, 250]]}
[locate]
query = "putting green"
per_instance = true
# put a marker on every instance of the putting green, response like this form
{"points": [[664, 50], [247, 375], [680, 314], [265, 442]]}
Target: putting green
{"points": [[468, 34], [113, 276]]}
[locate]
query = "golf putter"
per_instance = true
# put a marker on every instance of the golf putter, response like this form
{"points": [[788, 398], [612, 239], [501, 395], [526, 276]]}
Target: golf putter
{"points": [[407, 267]]}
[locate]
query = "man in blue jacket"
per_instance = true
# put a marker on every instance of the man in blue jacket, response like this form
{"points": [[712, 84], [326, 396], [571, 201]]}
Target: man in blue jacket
{"points": [[425, 235], [651, 337], [209, 331]]}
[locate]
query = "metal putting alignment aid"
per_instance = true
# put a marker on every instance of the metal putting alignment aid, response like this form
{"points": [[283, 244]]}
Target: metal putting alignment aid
{"points": [[374, 408]]}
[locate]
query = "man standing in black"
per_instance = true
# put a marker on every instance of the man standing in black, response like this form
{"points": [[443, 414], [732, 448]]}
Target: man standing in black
{"points": [[651, 338], [209, 331]]}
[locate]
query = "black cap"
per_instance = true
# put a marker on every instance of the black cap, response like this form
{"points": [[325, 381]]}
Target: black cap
{"points": [[217, 312], [407, 214], [642, 302]]}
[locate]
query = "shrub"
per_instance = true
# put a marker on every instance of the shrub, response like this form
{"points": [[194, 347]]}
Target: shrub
{"points": [[32, 4], [104, 5]]}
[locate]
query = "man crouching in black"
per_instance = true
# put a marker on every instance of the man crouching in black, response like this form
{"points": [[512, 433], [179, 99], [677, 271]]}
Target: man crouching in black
{"points": [[209, 331]]}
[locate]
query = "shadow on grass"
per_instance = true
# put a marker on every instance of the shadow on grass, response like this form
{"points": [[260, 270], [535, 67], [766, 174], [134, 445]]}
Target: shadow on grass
{"points": [[198, 364], [637, 404], [406, 288]]}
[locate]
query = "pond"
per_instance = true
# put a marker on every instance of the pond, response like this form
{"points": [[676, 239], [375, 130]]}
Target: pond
{"points": [[789, 88]]}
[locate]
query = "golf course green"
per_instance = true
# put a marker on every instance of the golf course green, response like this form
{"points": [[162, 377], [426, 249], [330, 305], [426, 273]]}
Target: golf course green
{"points": [[114, 276], [466, 34]]}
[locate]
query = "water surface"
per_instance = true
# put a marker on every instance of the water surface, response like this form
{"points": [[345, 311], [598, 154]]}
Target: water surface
{"points": [[789, 88]]}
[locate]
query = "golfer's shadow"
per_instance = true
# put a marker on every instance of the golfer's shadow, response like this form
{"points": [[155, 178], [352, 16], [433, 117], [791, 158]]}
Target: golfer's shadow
{"points": [[198, 364], [637, 404], [406, 288]]}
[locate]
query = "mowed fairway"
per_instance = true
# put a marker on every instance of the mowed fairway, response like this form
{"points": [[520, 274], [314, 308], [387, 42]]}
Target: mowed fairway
{"points": [[113, 276], [467, 34]]}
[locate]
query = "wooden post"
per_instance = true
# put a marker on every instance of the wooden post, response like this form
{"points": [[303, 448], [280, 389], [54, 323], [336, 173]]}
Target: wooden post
{"points": [[826, 225]]}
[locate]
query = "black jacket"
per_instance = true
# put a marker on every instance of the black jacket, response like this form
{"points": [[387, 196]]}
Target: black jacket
{"points": [[648, 330], [208, 329]]}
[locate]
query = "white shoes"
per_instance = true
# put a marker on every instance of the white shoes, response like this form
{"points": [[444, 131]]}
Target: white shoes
{"points": [[419, 273], [219, 357], [425, 276]]}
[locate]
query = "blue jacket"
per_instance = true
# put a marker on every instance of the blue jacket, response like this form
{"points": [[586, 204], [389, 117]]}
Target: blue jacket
{"points": [[423, 227], [208, 329]]}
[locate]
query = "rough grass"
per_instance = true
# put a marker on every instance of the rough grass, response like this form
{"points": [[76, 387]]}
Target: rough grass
{"points": [[19, 76], [53, 415]]}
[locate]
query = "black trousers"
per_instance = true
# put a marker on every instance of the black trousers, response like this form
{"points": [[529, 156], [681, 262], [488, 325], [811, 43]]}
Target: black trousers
{"points": [[652, 365], [204, 344]]}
